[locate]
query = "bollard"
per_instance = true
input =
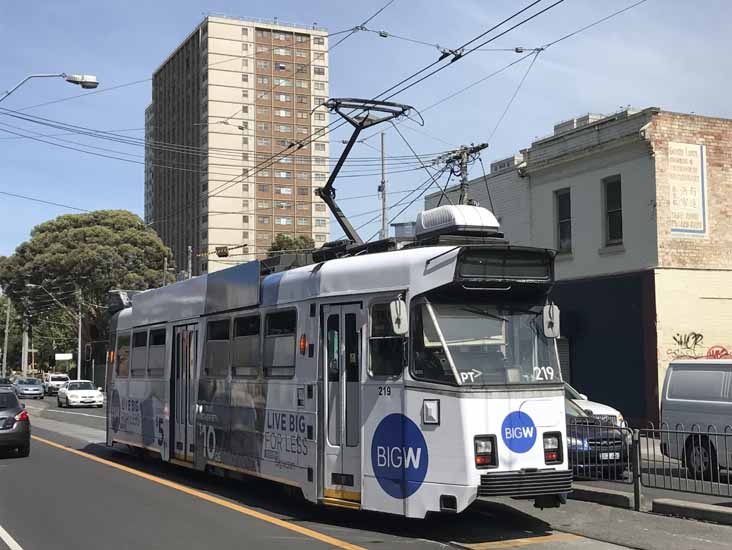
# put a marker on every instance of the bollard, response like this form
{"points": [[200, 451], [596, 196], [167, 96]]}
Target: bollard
{"points": [[635, 457]]}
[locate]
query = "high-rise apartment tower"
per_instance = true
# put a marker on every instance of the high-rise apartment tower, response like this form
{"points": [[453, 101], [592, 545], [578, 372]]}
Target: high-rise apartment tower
{"points": [[236, 142]]}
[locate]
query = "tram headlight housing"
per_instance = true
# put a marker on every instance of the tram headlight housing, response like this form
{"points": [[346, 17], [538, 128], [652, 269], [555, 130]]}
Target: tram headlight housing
{"points": [[485, 451], [553, 448]]}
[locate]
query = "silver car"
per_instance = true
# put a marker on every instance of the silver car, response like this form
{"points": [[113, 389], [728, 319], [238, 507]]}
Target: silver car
{"points": [[29, 387]]}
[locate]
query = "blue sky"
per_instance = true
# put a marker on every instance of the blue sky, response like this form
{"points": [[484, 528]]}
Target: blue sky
{"points": [[664, 53]]}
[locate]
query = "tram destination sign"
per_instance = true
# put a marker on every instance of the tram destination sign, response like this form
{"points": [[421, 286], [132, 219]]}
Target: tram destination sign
{"points": [[493, 263]]}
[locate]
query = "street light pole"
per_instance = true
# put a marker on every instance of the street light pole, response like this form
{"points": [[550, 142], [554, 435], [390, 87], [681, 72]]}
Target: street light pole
{"points": [[5, 344], [86, 81]]}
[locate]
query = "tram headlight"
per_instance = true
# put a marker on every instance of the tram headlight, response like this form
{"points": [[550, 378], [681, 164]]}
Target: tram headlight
{"points": [[552, 448], [485, 451]]}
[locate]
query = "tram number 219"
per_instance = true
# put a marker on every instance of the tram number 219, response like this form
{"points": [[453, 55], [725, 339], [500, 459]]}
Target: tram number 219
{"points": [[208, 435], [385, 390], [544, 373]]}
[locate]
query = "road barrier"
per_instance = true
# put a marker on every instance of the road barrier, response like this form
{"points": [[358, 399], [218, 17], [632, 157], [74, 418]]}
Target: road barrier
{"points": [[600, 452]]}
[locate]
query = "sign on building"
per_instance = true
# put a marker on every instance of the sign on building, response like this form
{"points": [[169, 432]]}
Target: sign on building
{"points": [[687, 181], [63, 356]]}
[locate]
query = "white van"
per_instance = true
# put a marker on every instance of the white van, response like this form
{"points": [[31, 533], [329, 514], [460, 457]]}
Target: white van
{"points": [[53, 381], [697, 397]]}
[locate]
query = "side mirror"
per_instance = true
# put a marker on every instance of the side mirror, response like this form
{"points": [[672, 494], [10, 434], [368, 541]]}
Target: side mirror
{"points": [[398, 311], [583, 397], [99, 388], [551, 321]]}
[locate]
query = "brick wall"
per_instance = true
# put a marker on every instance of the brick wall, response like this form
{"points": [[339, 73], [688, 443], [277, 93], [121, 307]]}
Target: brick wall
{"points": [[713, 249]]}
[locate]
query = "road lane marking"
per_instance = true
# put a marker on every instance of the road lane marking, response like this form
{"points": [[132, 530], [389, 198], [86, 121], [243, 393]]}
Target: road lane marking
{"points": [[66, 412], [210, 498], [556, 537], [8, 540]]}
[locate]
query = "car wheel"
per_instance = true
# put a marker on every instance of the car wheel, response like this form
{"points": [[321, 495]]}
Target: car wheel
{"points": [[41, 397], [700, 458], [24, 451]]}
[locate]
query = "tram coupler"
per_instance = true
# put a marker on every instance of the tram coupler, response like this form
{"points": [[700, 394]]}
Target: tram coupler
{"points": [[550, 501]]}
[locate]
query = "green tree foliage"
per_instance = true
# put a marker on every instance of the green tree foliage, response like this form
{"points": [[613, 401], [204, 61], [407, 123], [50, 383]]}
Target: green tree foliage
{"points": [[283, 243], [93, 252]]}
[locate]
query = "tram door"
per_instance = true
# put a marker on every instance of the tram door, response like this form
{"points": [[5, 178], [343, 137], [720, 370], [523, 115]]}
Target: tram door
{"points": [[182, 395], [343, 327]]}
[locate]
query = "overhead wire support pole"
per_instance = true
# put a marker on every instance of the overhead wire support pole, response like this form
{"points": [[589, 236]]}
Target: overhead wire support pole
{"points": [[382, 188], [385, 110], [461, 158], [5, 343]]}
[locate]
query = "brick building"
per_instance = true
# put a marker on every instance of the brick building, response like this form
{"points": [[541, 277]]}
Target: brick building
{"points": [[637, 205]]}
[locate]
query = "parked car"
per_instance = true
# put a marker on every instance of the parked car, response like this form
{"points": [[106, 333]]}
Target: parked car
{"points": [[14, 423], [79, 393], [696, 415], [603, 412], [52, 382], [6, 383], [29, 387], [596, 448]]}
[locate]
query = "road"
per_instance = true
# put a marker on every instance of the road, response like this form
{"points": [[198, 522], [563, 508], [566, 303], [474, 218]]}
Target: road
{"points": [[73, 492]]}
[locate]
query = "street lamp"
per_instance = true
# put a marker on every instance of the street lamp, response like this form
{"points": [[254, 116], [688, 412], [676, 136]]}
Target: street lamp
{"points": [[86, 81], [78, 316]]}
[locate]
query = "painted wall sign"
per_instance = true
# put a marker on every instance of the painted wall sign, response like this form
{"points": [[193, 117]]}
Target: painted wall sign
{"points": [[518, 432], [399, 456], [687, 182]]}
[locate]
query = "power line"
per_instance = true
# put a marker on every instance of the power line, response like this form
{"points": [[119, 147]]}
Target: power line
{"points": [[34, 199]]}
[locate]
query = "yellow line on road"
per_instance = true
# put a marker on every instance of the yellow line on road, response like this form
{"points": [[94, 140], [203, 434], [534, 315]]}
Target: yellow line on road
{"points": [[515, 543], [210, 498]]}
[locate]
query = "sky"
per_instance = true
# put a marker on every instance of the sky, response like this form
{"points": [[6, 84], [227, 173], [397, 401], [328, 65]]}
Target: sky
{"points": [[664, 53]]}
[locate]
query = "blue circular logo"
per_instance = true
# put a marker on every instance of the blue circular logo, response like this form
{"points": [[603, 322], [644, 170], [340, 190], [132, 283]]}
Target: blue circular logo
{"points": [[399, 456], [518, 432]]}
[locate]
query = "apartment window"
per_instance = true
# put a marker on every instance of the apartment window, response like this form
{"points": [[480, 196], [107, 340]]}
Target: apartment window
{"points": [[262, 111], [245, 235], [283, 112], [264, 220], [300, 68], [318, 40], [283, 128], [245, 47], [321, 222], [303, 206], [265, 142], [319, 160], [262, 204], [263, 80], [245, 126], [284, 205], [263, 237], [263, 188], [300, 38], [301, 53], [283, 97], [283, 51], [303, 221], [263, 95], [245, 156], [302, 130], [284, 143], [264, 173], [262, 49], [279, 36], [301, 160], [320, 176], [302, 99], [319, 116], [285, 160], [301, 83], [245, 187], [283, 174], [320, 208], [262, 64], [320, 146], [303, 191], [303, 176], [283, 221], [319, 238], [245, 77], [245, 219], [317, 100], [319, 86], [613, 211], [281, 190], [244, 31], [319, 71], [245, 62], [281, 67], [245, 204], [245, 94], [245, 140], [263, 34], [564, 220]]}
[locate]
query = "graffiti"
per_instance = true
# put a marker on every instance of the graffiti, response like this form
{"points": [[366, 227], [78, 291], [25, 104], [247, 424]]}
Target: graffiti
{"points": [[686, 344], [689, 345]]}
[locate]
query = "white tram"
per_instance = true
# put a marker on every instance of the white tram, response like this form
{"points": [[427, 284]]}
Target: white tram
{"points": [[408, 381]]}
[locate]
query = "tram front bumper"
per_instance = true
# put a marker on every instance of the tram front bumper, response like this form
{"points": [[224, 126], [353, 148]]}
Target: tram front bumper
{"points": [[525, 483]]}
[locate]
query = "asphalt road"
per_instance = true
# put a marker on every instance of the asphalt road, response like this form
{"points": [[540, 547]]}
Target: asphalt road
{"points": [[73, 492]]}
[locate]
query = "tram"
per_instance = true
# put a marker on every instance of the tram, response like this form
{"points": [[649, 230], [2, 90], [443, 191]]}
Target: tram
{"points": [[407, 380]]}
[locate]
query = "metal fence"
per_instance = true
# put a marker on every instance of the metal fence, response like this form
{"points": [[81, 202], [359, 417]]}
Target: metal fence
{"points": [[694, 460]]}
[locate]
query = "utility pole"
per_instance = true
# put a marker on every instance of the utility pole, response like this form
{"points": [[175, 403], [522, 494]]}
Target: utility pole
{"points": [[190, 261], [165, 271], [460, 158], [78, 349], [382, 188], [5, 344], [24, 359]]}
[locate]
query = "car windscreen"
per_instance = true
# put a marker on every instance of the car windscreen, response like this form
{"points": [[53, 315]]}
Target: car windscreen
{"points": [[8, 401], [29, 382], [59, 378], [5, 381], [81, 386]]}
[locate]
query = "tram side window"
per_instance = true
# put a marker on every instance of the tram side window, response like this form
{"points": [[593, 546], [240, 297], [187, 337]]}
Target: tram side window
{"points": [[138, 363], [279, 344], [122, 356], [245, 349], [385, 347], [217, 348], [156, 354]]}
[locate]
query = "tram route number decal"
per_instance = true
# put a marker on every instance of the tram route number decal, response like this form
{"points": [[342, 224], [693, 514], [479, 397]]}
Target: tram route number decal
{"points": [[544, 373], [208, 434], [385, 390]]}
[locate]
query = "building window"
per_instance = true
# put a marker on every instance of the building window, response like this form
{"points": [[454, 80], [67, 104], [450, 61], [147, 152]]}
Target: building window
{"points": [[245, 140], [283, 97], [303, 191], [283, 174], [263, 95], [301, 53], [320, 176], [284, 205], [283, 112], [262, 204], [244, 31], [300, 38], [263, 188], [245, 204], [285, 160], [265, 142], [245, 126], [318, 40], [319, 86], [320, 208], [245, 77], [319, 237], [245, 219], [263, 65], [283, 221], [264, 173], [303, 206], [319, 71], [321, 222], [303, 221], [300, 68], [245, 94], [564, 220], [245, 156], [279, 36], [283, 128], [263, 34], [301, 83], [245, 47], [319, 116], [283, 190], [263, 80], [283, 51], [262, 49], [302, 130], [245, 187], [613, 211], [264, 220], [320, 147], [279, 66], [245, 235]]}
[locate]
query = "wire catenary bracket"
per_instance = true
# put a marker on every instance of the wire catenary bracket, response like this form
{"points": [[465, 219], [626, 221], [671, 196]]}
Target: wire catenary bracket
{"points": [[369, 113]]}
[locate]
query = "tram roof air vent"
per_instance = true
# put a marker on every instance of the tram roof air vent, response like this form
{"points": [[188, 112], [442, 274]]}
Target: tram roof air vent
{"points": [[456, 220]]}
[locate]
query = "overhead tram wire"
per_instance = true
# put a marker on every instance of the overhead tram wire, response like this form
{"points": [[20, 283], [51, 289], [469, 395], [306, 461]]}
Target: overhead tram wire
{"points": [[42, 201]]}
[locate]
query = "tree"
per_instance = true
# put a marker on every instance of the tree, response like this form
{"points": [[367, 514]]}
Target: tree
{"points": [[87, 253], [283, 243]]}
